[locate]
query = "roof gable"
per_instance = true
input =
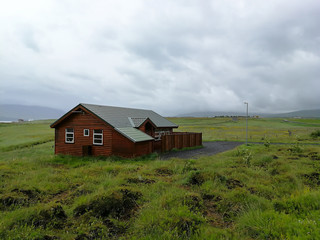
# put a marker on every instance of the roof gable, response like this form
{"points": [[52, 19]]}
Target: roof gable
{"points": [[136, 122], [76, 110], [120, 117]]}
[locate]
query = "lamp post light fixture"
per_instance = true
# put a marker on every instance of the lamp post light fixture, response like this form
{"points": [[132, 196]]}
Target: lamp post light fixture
{"points": [[247, 123]]}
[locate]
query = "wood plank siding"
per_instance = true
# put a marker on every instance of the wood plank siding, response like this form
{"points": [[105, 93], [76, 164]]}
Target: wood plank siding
{"points": [[79, 122], [125, 148], [180, 140]]}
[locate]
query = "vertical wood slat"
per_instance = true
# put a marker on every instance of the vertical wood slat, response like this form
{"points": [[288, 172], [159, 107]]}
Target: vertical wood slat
{"points": [[180, 140]]}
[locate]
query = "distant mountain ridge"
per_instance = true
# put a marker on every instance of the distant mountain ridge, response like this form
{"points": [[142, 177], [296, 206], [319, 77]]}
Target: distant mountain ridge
{"points": [[211, 114], [302, 113], [13, 112]]}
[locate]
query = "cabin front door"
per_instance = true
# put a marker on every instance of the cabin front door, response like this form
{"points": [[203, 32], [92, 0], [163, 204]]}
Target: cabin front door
{"points": [[86, 150]]}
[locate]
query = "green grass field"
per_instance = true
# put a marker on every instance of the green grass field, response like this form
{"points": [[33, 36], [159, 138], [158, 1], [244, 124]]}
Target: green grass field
{"points": [[252, 192], [273, 129]]}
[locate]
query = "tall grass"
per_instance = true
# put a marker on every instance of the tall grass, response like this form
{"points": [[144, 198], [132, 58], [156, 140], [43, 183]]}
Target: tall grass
{"points": [[251, 192]]}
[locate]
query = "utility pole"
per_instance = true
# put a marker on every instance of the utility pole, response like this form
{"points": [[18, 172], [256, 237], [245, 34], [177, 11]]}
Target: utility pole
{"points": [[247, 123]]}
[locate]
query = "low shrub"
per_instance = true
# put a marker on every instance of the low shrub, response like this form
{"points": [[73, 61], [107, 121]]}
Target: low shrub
{"points": [[19, 197], [164, 171], [54, 217], [269, 224], [296, 148], [315, 134], [120, 204], [196, 178], [176, 223], [299, 205], [263, 161], [28, 232], [94, 228], [238, 201], [266, 143], [194, 202], [189, 166], [312, 179]]}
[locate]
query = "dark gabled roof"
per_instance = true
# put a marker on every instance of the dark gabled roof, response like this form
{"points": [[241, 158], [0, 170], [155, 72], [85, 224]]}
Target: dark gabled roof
{"points": [[124, 120], [120, 117]]}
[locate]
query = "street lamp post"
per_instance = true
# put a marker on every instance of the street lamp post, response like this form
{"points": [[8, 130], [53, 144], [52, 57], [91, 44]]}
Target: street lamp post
{"points": [[247, 123]]}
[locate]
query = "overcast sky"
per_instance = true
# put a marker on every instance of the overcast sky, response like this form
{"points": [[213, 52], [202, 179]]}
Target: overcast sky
{"points": [[169, 56]]}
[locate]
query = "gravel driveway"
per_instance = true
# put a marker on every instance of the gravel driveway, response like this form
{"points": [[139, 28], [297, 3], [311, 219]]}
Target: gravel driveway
{"points": [[209, 148]]}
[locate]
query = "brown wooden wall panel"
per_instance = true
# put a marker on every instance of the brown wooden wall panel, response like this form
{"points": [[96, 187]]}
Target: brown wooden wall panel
{"points": [[126, 148], [143, 148], [79, 122], [181, 140], [157, 146], [121, 146]]}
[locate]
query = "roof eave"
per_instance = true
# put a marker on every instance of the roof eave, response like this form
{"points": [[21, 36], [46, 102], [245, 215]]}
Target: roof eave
{"points": [[97, 116], [59, 120], [130, 138]]}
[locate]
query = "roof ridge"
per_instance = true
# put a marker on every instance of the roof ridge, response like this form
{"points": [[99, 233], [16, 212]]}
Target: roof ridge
{"points": [[125, 117], [131, 122], [98, 105]]}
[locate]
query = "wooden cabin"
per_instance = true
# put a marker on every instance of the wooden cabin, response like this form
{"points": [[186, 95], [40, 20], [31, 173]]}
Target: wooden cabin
{"points": [[103, 131]]}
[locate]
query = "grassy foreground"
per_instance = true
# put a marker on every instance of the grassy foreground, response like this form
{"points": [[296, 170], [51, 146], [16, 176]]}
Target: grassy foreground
{"points": [[252, 192]]}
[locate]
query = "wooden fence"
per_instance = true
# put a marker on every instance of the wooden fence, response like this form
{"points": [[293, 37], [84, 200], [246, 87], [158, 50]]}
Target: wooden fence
{"points": [[179, 140]]}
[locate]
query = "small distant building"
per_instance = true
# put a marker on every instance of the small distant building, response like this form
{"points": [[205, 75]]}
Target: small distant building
{"points": [[96, 130]]}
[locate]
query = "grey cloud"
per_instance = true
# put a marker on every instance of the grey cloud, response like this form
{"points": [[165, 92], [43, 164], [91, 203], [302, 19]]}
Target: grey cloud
{"points": [[170, 56], [29, 39]]}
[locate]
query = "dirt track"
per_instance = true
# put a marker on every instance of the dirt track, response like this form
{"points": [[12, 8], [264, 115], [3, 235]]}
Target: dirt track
{"points": [[209, 148]]}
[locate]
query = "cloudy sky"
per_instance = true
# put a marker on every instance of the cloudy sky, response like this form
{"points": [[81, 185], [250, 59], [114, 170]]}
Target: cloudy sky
{"points": [[170, 56]]}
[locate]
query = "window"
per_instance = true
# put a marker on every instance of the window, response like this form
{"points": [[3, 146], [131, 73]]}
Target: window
{"points": [[86, 132], [98, 137], [69, 135]]}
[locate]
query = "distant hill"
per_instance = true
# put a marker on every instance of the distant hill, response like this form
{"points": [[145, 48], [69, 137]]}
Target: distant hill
{"points": [[302, 114], [211, 114], [12, 112]]}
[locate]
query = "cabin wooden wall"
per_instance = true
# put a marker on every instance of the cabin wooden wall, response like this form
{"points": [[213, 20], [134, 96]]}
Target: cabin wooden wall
{"points": [[121, 146], [79, 122], [142, 148]]}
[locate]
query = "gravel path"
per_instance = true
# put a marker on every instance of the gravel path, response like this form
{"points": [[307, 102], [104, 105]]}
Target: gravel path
{"points": [[209, 148]]}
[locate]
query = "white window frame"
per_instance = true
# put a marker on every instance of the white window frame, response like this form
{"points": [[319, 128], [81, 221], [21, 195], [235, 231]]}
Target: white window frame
{"points": [[95, 135], [69, 135], [84, 132]]}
